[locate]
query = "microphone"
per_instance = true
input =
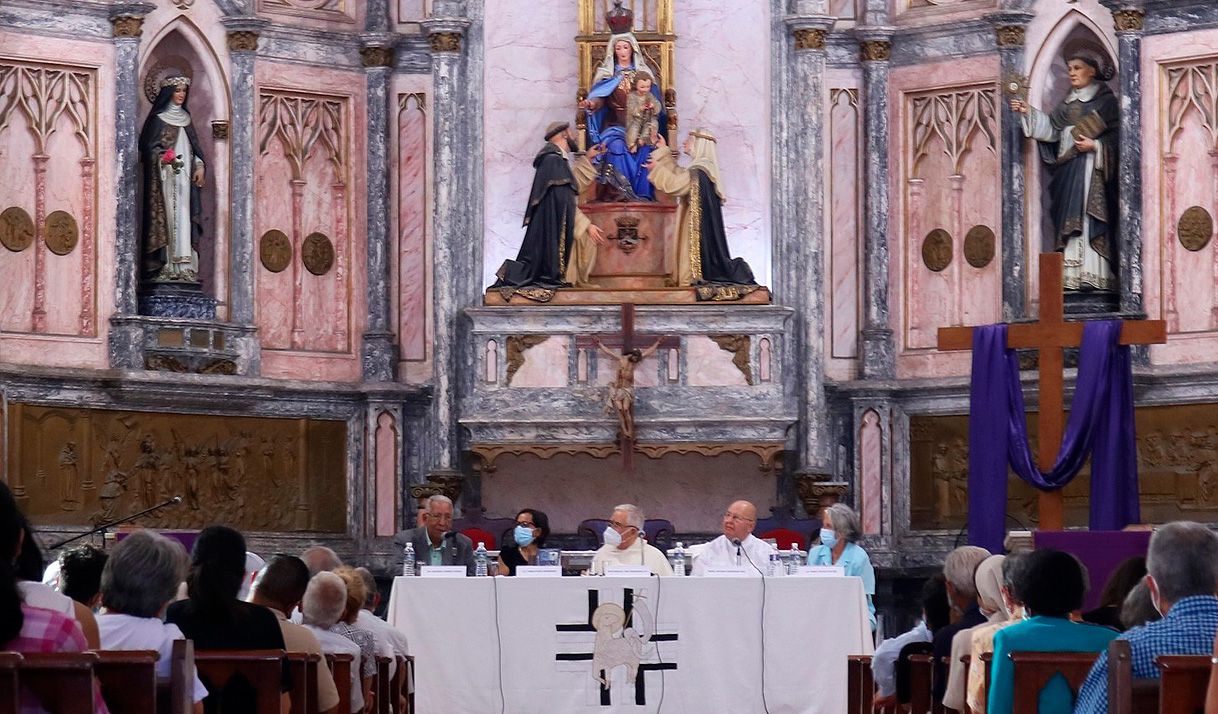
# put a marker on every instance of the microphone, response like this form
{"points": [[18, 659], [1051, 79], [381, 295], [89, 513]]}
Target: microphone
{"points": [[736, 542]]}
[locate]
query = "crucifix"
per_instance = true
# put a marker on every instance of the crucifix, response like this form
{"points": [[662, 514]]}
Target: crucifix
{"points": [[1049, 336]]}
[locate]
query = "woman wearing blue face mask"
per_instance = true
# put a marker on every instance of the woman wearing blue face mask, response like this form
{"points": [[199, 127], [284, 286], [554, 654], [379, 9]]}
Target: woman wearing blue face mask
{"points": [[528, 537], [838, 533]]}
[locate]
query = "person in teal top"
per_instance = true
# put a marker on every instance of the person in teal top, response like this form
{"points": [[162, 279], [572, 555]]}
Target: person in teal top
{"points": [[839, 531], [1051, 584]]}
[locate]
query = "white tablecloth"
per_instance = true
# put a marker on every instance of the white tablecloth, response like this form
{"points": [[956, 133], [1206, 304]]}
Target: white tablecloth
{"points": [[485, 645]]}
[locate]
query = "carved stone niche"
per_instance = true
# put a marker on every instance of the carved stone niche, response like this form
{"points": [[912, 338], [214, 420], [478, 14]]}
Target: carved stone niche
{"points": [[817, 491], [190, 346]]}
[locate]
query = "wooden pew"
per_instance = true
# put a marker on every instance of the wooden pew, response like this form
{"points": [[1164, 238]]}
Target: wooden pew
{"points": [[303, 667], [63, 681], [921, 680], [260, 670], [384, 686], [1184, 679], [408, 684], [128, 680], [340, 668], [9, 690], [178, 695], [1127, 695], [860, 686], [397, 686], [1033, 670]]}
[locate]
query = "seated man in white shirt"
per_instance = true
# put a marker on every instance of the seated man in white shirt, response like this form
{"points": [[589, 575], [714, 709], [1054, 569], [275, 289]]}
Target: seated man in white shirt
{"points": [[624, 544], [737, 546], [322, 606]]}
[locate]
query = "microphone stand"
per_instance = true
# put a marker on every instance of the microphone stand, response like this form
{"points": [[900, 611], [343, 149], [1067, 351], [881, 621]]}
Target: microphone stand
{"points": [[99, 529]]}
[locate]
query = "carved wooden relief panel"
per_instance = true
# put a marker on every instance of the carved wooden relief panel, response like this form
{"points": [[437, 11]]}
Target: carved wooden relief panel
{"points": [[341, 11], [81, 466], [48, 129], [845, 221]]}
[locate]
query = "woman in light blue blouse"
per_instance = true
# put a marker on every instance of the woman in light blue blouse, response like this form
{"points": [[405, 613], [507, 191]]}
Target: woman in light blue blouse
{"points": [[838, 533]]}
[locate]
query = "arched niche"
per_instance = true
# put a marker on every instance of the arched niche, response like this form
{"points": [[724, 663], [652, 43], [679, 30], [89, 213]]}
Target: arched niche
{"points": [[181, 48]]}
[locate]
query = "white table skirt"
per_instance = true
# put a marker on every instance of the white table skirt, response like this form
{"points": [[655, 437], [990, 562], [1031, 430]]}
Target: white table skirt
{"points": [[485, 645]]}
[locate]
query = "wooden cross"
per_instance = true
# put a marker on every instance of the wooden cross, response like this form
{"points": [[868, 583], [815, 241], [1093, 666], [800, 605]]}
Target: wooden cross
{"points": [[1049, 336]]}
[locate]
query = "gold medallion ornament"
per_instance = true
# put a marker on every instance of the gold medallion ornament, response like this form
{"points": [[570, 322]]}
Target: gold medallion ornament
{"points": [[1016, 86], [61, 232], [275, 251], [979, 246], [16, 229], [937, 250], [1195, 228], [317, 254]]}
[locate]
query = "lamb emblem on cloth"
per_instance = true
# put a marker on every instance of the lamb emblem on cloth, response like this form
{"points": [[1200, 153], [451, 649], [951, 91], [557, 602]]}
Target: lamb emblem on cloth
{"points": [[616, 646]]}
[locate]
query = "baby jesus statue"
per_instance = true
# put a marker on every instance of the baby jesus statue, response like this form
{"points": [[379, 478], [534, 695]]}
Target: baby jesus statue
{"points": [[641, 114]]}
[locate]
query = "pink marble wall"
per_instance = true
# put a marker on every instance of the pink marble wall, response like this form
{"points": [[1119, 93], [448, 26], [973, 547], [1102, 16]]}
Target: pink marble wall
{"points": [[845, 225], [545, 364], [386, 469], [411, 182], [708, 365], [310, 324], [687, 489], [531, 80], [871, 460], [56, 307], [945, 155]]}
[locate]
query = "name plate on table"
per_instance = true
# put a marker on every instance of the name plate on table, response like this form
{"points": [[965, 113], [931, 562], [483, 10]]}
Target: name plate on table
{"points": [[442, 571], [730, 571], [822, 571], [539, 571], [627, 571]]}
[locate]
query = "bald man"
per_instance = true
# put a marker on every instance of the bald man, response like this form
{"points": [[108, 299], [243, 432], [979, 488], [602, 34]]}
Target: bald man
{"points": [[737, 545]]}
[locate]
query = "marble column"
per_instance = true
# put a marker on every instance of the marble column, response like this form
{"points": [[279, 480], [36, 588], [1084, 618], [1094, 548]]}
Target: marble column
{"points": [[878, 353], [127, 23], [1009, 30], [379, 354], [1128, 18], [446, 30], [804, 238], [243, 50]]}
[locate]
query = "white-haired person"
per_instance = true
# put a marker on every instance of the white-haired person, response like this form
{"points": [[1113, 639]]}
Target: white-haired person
{"points": [[626, 545], [960, 569], [322, 607], [839, 534]]}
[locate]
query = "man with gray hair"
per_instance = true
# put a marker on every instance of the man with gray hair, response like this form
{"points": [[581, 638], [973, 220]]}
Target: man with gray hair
{"points": [[319, 558], [1182, 575], [960, 570], [435, 543], [325, 598], [381, 630], [625, 544]]}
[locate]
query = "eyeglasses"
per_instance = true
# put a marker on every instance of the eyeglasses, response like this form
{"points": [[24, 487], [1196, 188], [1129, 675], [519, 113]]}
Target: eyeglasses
{"points": [[526, 524], [440, 516], [729, 516], [621, 526]]}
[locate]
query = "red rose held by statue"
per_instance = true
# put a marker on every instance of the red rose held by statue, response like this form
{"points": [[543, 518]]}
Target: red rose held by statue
{"points": [[168, 156]]}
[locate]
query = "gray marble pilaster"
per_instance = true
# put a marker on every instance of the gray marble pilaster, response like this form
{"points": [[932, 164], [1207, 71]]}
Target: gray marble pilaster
{"points": [[1009, 30], [1128, 18], [379, 354], [446, 30], [126, 20], [878, 353], [243, 35], [804, 234]]}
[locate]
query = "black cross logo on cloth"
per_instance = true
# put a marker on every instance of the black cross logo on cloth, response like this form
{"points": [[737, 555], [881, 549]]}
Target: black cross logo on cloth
{"points": [[640, 682]]}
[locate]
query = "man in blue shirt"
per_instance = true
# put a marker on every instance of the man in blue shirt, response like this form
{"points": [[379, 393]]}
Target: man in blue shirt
{"points": [[1182, 565]]}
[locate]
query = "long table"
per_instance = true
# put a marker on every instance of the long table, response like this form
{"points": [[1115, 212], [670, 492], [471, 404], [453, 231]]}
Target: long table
{"points": [[704, 645]]}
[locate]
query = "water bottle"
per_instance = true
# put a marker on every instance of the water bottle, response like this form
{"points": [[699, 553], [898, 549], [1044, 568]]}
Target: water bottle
{"points": [[678, 560], [775, 564], [795, 561], [408, 560], [480, 560]]}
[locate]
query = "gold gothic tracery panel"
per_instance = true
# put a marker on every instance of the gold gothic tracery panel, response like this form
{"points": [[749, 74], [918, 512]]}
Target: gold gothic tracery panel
{"points": [[83, 466], [1177, 471]]}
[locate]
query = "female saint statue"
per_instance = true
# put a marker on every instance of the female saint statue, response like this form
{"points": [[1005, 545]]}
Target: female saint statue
{"points": [[173, 174], [607, 107], [1078, 140]]}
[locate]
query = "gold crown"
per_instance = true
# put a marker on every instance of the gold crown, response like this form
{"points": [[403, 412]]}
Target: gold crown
{"points": [[175, 82]]}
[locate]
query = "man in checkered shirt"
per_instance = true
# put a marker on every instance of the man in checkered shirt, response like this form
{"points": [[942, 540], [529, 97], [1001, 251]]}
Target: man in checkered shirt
{"points": [[1182, 566]]}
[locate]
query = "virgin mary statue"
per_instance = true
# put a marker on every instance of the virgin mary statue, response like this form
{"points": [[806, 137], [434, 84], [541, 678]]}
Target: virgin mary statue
{"points": [[173, 175], [606, 105]]}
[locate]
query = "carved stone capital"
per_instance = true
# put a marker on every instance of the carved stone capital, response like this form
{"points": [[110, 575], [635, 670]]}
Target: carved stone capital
{"points": [[243, 41], [817, 491], [875, 50], [810, 38], [1129, 19], [127, 26], [443, 482], [219, 129], [1010, 35], [445, 41], [376, 56]]}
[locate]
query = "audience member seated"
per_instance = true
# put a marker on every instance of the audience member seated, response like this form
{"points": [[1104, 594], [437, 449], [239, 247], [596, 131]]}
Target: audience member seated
{"points": [[935, 615], [838, 535], [367, 620], [434, 542], [983, 635], [625, 545], [1182, 570], [215, 619], [23, 626], [737, 546], [1138, 608], [529, 536], [30, 567], [960, 569], [139, 580], [353, 603], [280, 587], [253, 565], [988, 580], [1128, 574], [320, 559], [80, 573], [322, 606], [1052, 587]]}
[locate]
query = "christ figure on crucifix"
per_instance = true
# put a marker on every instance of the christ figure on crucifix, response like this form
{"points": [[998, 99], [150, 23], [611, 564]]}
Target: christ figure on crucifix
{"points": [[621, 390]]}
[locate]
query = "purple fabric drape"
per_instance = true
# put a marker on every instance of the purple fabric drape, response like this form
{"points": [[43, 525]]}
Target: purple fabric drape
{"points": [[1100, 426]]}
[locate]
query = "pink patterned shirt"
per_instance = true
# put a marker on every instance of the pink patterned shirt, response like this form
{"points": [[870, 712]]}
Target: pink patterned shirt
{"points": [[49, 631]]}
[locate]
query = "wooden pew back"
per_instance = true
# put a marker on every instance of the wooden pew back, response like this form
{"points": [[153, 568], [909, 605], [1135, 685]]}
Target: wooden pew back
{"points": [[340, 667], [128, 680], [239, 673], [1034, 670], [1184, 679], [860, 686], [62, 681], [9, 689], [303, 666]]}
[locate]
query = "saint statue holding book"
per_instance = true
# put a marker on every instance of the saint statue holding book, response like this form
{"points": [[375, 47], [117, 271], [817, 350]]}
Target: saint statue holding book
{"points": [[1078, 140]]}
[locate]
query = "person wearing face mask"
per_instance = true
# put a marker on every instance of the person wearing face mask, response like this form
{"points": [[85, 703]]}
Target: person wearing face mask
{"points": [[838, 533], [737, 547], [625, 545], [528, 537]]}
